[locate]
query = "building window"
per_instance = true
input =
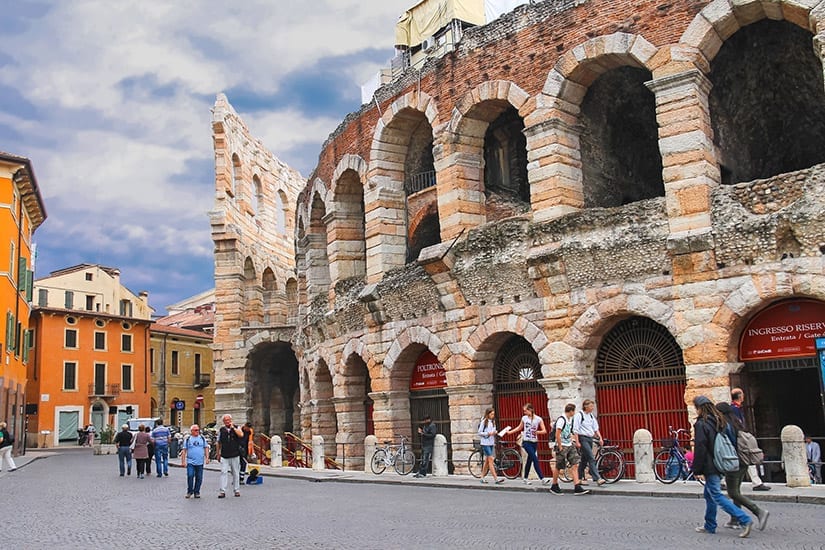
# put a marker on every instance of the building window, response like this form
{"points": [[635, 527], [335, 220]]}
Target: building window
{"points": [[126, 377], [151, 360], [42, 297], [12, 258], [100, 341], [125, 342], [70, 376], [70, 338], [100, 323], [71, 320], [198, 364], [88, 276], [175, 364], [90, 303], [69, 299], [126, 308]]}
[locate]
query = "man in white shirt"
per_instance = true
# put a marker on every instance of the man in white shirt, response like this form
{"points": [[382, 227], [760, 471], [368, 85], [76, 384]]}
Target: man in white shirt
{"points": [[586, 427], [814, 457]]}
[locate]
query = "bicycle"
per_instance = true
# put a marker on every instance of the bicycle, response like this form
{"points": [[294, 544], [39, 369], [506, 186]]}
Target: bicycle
{"points": [[671, 464], [399, 457], [507, 462], [610, 463]]}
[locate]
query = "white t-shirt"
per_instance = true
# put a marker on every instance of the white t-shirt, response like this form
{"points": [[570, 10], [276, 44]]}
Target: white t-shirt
{"points": [[487, 439], [566, 426], [530, 427]]}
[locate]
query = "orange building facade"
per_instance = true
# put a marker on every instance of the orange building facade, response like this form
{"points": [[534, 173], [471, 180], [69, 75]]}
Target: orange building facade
{"points": [[87, 367], [21, 213]]}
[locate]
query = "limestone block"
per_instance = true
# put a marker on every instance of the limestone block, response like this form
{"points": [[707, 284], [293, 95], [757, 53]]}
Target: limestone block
{"points": [[440, 456], [643, 456], [794, 457], [748, 11], [702, 35], [816, 18]]}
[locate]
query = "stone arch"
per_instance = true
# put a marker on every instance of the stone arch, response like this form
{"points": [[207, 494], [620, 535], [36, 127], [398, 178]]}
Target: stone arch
{"points": [[599, 318], [489, 115], [349, 162], [720, 19], [347, 231], [236, 176], [409, 337], [253, 310], [324, 418], [316, 243], [356, 346], [487, 339], [256, 200], [280, 211]]}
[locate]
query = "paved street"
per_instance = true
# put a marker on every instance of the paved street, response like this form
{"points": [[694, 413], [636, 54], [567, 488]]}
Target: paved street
{"points": [[76, 500]]}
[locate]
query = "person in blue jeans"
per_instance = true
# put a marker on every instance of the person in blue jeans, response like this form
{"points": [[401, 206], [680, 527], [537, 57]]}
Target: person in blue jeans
{"points": [[194, 454], [123, 440], [533, 426], [709, 423], [160, 437]]}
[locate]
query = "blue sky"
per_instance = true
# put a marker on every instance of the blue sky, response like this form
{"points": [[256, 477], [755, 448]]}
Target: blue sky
{"points": [[111, 102]]}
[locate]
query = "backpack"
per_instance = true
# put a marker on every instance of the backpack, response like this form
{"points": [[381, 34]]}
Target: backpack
{"points": [[748, 449], [725, 457]]}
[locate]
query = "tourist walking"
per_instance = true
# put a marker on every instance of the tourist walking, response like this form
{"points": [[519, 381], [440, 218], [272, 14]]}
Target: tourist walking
{"points": [[814, 454], [160, 438], [737, 401], [6, 447], [487, 433], [140, 450], [586, 429], [246, 445], [567, 453], [733, 481], [533, 427], [123, 440], [194, 454], [229, 455], [709, 423], [90, 435], [427, 431]]}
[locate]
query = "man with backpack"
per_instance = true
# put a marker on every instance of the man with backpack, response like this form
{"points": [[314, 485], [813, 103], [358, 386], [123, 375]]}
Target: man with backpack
{"points": [[567, 455], [194, 454], [737, 400], [229, 455], [6, 443]]}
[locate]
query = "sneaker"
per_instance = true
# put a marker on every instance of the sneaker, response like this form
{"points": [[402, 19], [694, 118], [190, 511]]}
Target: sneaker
{"points": [[221, 495], [762, 487], [746, 531], [555, 489], [584, 482], [237, 493], [601, 481], [188, 495], [499, 480], [527, 481], [166, 474], [546, 480], [733, 524], [197, 495], [701, 529], [579, 490], [484, 481], [121, 475], [762, 516], [129, 472], [160, 475]]}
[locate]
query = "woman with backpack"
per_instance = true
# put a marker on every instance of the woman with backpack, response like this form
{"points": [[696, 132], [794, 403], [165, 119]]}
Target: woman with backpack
{"points": [[710, 424], [734, 480]]}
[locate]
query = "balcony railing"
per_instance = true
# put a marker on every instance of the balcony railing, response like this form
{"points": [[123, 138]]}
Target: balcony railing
{"points": [[104, 390], [201, 380], [419, 182]]}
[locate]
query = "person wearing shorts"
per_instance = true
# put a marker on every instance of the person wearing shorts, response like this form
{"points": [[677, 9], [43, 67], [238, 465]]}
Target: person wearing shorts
{"points": [[487, 433], [567, 455]]}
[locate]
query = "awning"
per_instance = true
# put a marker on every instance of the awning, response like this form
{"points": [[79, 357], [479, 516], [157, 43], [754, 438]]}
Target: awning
{"points": [[429, 16]]}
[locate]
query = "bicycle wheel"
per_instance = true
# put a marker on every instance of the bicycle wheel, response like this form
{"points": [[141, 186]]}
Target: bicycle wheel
{"points": [[666, 467], [379, 461], [475, 463], [404, 463], [611, 466], [509, 463]]}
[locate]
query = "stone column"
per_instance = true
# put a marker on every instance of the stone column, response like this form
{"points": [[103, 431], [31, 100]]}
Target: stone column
{"points": [[386, 232], [709, 379], [277, 453], [318, 456], [643, 456], [323, 423], [562, 390], [370, 445], [352, 428], [347, 247], [391, 414], [690, 167], [317, 264], [440, 456], [795, 457], [461, 201], [467, 405]]}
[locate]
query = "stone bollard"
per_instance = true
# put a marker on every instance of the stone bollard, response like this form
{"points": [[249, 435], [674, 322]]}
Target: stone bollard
{"points": [[276, 459], [370, 444], [643, 456], [318, 462], [440, 456], [794, 457]]}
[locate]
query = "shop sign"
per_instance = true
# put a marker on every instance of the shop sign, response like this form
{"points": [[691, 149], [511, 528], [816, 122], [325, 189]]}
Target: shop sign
{"points": [[428, 373], [784, 330]]}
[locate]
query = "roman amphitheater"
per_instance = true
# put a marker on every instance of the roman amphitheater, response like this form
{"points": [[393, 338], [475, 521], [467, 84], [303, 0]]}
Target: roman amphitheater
{"points": [[609, 199]]}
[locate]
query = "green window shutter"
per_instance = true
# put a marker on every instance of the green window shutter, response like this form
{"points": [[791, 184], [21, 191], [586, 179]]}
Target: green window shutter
{"points": [[9, 331], [29, 285], [26, 345], [21, 274]]}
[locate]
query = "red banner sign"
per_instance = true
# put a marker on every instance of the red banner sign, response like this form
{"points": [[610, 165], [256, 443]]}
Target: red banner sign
{"points": [[428, 373], [787, 329]]}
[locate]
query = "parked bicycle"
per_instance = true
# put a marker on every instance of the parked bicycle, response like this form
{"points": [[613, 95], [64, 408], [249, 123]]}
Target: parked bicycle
{"points": [[399, 457], [671, 464], [507, 461], [610, 463]]}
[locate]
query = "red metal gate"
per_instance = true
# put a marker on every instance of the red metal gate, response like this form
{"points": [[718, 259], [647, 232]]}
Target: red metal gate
{"points": [[640, 383]]}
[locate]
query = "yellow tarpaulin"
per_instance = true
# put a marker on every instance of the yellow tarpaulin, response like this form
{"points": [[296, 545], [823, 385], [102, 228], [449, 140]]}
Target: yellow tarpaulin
{"points": [[428, 17]]}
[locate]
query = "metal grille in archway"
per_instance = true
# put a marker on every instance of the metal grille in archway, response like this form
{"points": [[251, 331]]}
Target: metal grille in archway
{"points": [[640, 381], [516, 373]]}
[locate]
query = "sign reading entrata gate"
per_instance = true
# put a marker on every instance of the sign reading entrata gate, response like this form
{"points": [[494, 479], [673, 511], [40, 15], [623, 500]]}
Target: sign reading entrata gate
{"points": [[786, 329], [428, 373]]}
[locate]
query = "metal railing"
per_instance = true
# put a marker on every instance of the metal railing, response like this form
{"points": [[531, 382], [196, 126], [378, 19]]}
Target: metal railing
{"points": [[419, 182], [104, 390], [201, 380]]}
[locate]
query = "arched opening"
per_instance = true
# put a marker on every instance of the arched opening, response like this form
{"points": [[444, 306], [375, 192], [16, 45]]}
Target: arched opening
{"points": [[235, 184], [349, 255], [505, 163], [273, 384], [324, 419], [291, 301], [780, 377], [98, 416], [621, 162], [767, 103], [317, 261], [428, 397], [516, 375], [354, 413], [425, 230], [270, 288], [253, 303], [256, 201], [280, 212], [640, 382]]}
